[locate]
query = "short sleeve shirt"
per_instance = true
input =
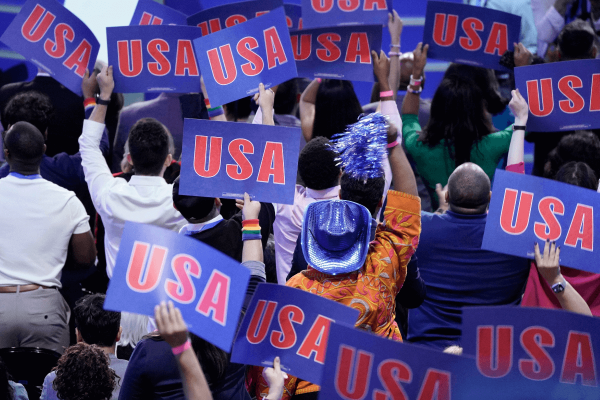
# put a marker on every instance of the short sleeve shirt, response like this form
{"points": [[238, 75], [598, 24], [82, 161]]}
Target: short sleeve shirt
{"points": [[37, 220]]}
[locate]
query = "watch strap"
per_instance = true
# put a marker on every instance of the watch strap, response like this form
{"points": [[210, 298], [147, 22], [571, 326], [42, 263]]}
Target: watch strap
{"points": [[559, 287], [102, 102]]}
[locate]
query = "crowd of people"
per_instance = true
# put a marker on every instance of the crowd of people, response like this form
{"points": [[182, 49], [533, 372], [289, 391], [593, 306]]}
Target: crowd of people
{"points": [[388, 217]]}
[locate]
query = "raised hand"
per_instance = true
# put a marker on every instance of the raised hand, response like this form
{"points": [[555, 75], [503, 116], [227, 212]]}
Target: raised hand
{"points": [[106, 82]]}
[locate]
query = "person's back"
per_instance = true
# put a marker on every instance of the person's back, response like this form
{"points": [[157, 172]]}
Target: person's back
{"points": [[147, 197], [43, 222], [456, 271], [69, 113]]}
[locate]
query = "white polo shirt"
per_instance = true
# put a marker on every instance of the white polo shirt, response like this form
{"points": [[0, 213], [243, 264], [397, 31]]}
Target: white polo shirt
{"points": [[37, 220]]}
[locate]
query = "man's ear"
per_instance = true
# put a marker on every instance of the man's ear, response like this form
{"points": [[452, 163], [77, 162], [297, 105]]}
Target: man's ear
{"points": [[44, 149], [594, 52], [168, 160], [447, 197], [340, 193], [129, 160], [6, 154], [490, 198], [119, 334], [218, 202]]}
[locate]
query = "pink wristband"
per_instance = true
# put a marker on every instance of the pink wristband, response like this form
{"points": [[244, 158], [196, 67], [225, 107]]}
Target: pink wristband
{"points": [[393, 144], [389, 93], [180, 349], [319, 80]]}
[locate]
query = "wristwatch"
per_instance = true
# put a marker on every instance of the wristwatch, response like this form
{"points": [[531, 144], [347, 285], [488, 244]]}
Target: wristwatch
{"points": [[559, 287]]}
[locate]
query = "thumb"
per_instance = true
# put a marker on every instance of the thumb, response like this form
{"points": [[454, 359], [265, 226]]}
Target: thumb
{"points": [[246, 195], [438, 187], [374, 55], [87, 74], [261, 88], [110, 71]]}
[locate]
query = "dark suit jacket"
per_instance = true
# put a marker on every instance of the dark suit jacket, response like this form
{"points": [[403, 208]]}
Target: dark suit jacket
{"points": [[66, 125]]}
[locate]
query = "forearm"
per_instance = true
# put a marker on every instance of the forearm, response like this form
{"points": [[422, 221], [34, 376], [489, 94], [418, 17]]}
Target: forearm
{"points": [[195, 386], [570, 300], [267, 117], [97, 173], [394, 77], [516, 152], [402, 173], [307, 109]]}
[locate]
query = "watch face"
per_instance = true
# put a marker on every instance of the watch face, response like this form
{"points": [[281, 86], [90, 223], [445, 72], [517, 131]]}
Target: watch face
{"points": [[558, 288]]}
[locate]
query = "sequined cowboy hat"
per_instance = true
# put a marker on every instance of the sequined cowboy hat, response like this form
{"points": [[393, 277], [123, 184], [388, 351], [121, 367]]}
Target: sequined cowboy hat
{"points": [[336, 236]]}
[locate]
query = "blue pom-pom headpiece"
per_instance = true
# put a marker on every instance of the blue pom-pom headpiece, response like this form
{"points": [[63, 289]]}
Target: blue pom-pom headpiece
{"points": [[362, 147]]}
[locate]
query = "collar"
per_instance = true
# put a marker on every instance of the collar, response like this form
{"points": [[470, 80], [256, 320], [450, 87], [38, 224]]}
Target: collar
{"points": [[139, 180], [466, 217], [21, 176], [324, 194], [192, 229]]}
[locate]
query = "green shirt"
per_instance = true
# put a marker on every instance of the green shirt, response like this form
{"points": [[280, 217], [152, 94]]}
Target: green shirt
{"points": [[434, 163]]}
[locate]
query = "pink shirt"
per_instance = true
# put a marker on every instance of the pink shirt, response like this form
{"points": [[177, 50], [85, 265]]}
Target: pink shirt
{"points": [[288, 224]]}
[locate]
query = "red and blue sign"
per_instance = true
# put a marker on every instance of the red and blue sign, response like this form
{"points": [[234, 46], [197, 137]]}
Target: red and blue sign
{"points": [[340, 52], [154, 58], [360, 365], [291, 324], [529, 353], [55, 40], [149, 12], [217, 18], [527, 209], [469, 35], [561, 96], [323, 13], [293, 13], [155, 264], [236, 60], [226, 159]]}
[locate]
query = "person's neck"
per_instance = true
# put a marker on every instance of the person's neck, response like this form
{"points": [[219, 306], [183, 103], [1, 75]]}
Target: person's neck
{"points": [[213, 214], [109, 350], [25, 169], [468, 211]]}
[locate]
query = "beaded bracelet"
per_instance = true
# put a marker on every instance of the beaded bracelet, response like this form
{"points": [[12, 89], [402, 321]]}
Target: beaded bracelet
{"points": [[394, 54], [413, 91], [251, 230], [395, 45]]}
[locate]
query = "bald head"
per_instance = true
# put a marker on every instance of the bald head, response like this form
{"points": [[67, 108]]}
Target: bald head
{"points": [[24, 147], [469, 189]]}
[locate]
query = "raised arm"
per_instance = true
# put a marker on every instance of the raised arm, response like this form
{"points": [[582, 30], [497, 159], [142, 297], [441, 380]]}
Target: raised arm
{"points": [[265, 98], [520, 109], [214, 113], [402, 173], [173, 329], [307, 109], [97, 173], [411, 102], [549, 267], [395, 27]]}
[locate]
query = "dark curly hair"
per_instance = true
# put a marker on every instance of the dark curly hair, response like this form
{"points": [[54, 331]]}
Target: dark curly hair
{"points": [[336, 107], [317, 165], [33, 107], [364, 192], [83, 373], [148, 146]]}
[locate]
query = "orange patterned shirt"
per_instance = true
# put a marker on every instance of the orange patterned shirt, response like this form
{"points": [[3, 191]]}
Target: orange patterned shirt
{"points": [[371, 290]]}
